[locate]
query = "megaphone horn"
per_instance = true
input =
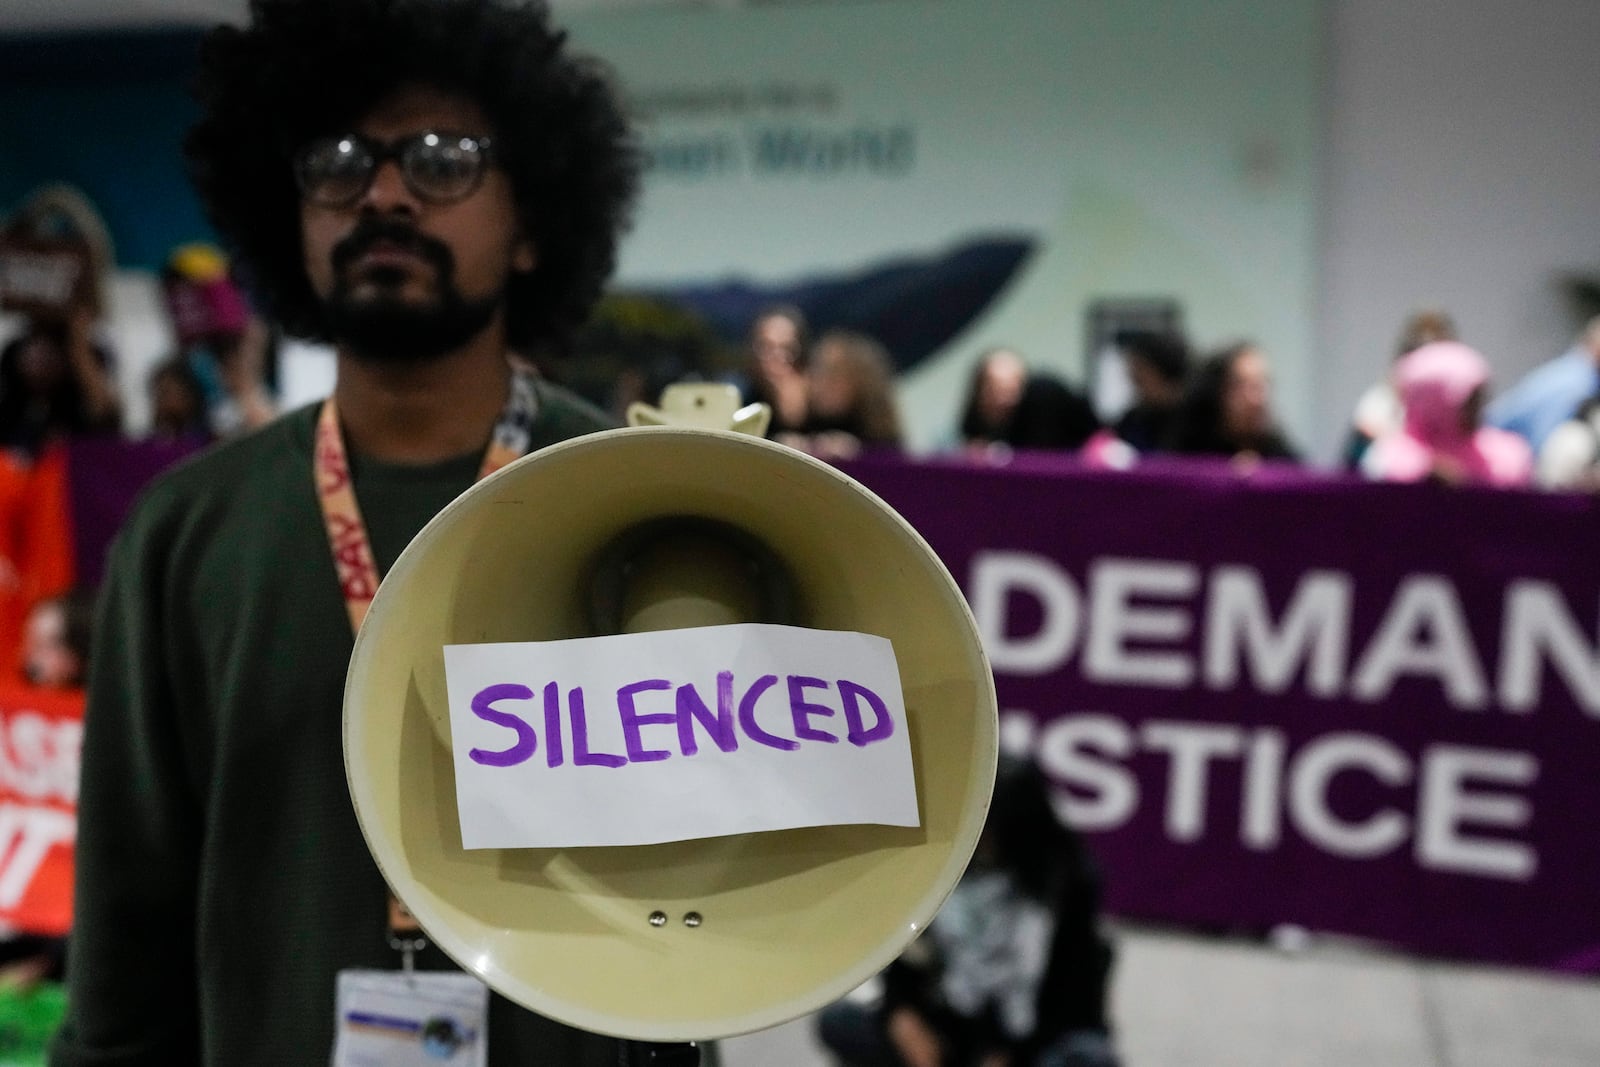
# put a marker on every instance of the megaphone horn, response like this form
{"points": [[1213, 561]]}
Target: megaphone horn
{"points": [[646, 528]]}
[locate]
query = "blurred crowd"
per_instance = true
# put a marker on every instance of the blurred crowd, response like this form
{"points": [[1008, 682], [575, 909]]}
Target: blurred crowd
{"points": [[1435, 415], [1432, 417], [58, 380], [57, 375], [58, 383]]}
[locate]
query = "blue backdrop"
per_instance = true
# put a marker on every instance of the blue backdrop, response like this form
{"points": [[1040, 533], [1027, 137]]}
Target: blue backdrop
{"points": [[107, 113]]}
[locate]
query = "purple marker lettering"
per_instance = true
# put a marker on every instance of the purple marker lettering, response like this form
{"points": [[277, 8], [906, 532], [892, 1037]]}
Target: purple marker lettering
{"points": [[581, 756], [527, 741], [747, 716], [691, 708], [860, 734], [802, 709], [632, 720], [553, 753]]}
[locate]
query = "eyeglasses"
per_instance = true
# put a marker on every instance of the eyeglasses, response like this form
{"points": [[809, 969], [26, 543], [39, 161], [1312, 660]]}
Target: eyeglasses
{"points": [[439, 168]]}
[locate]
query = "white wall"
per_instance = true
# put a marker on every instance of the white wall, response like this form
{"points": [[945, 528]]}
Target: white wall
{"points": [[1462, 168], [1151, 149]]}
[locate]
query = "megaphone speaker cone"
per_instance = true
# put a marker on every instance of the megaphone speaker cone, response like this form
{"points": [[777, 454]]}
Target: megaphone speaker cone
{"points": [[687, 571], [699, 939]]}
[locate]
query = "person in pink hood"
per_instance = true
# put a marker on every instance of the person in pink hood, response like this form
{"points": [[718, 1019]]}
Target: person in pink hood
{"points": [[1443, 387]]}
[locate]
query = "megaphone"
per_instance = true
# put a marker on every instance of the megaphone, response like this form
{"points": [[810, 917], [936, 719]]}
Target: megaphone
{"points": [[653, 527]]}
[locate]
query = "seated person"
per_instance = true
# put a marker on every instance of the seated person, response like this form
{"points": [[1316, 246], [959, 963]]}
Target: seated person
{"points": [[1378, 411], [993, 393], [1052, 415], [1570, 456], [1443, 387], [227, 349], [1158, 368], [1552, 392], [178, 403], [55, 382], [55, 658], [850, 382], [777, 367], [55, 378], [55, 647], [1013, 972], [1227, 410], [1009, 405]]}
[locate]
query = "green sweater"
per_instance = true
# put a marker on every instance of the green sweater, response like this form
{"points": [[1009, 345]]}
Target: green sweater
{"points": [[222, 879]]}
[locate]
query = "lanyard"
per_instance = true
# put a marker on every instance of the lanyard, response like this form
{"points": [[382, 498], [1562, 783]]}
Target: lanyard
{"points": [[352, 551], [347, 532]]}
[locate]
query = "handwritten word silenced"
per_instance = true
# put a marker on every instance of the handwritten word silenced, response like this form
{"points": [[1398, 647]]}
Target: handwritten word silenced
{"points": [[763, 713], [602, 740]]}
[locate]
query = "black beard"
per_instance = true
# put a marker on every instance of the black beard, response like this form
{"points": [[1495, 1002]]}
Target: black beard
{"points": [[386, 329]]}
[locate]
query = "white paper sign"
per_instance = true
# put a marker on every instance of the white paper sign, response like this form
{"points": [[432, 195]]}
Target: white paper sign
{"points": [[676, 735]]}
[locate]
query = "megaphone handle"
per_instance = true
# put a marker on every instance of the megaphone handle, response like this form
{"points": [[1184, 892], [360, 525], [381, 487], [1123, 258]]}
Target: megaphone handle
{"points": [[649, 1054]]}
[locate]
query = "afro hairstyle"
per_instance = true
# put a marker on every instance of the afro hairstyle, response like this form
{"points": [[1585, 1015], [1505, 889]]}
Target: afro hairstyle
{"points": [[304, 69]]}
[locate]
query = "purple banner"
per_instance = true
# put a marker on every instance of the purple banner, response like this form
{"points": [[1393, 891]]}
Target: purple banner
{"points": [[105, 476], [1289, 698]]}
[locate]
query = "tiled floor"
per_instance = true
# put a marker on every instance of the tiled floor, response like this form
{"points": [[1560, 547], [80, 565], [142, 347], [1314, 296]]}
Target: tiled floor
{"points": [[1189, 1001]]}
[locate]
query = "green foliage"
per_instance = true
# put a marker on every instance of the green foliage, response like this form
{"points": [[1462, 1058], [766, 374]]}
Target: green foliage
{"points": [[29, 1016]]}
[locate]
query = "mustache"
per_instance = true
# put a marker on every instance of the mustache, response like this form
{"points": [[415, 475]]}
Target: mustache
{"points": [[371, 231]]}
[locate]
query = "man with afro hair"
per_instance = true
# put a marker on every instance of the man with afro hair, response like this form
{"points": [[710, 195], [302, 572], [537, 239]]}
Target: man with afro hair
{"points": [[429, 186]]}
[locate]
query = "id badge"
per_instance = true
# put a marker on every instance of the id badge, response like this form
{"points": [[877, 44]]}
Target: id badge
{"points": [[411, 1019]]}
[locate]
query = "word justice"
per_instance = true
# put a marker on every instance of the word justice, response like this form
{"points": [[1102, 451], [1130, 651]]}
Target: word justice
{"points": [[783, 721]]}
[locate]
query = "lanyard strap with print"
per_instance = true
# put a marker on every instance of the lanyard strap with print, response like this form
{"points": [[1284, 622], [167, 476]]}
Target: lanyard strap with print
{"points": [[352, 550], [347, 532]]}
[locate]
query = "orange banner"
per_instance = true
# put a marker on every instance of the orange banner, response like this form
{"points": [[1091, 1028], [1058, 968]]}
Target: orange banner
{"points": [[41, 732], [35, 542]]}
